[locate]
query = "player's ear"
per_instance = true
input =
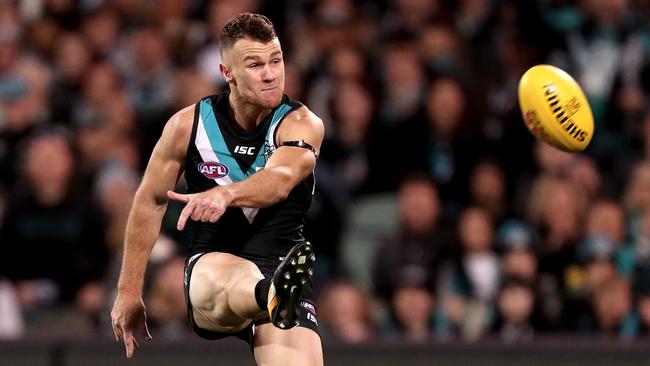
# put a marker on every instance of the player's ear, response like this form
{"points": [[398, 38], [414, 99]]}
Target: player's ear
{"points": [[226, 72]]}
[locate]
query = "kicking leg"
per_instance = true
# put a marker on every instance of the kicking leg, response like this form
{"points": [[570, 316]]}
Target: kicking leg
{"points": [[280, 341], [222, 292]]}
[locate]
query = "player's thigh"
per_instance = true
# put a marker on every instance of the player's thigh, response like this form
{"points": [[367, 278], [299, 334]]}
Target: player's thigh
{"points": [[209, 281], [296, 346]]}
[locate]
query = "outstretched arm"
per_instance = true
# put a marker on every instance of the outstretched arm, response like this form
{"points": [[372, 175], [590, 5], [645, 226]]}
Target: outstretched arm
{"points": [[143, 226], [285, 169]]}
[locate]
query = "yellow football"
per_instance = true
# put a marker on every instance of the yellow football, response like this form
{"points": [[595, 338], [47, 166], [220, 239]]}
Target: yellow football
{"points": [[555, 108]]}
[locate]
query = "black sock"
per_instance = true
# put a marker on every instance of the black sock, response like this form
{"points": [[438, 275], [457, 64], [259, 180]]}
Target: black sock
{"points": [[262, 293]]}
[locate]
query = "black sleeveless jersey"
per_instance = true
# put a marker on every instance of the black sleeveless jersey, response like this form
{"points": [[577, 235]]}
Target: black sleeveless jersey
{"points": [[220, 153]]}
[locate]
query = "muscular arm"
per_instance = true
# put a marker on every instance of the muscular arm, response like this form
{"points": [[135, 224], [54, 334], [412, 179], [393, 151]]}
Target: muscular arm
{"points": [[286, 167], [146, 214], [284, 170], [150, 200]]}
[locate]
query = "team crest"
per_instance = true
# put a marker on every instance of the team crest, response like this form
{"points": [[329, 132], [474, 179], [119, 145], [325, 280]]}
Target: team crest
{"points": [[268, 150], [213, 169]]}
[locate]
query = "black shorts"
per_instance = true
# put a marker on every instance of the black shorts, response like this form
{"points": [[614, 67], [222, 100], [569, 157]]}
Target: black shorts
{"points": [[267, 265]]}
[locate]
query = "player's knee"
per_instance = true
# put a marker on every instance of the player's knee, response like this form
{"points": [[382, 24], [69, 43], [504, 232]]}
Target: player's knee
{"points": [[243, 270]]}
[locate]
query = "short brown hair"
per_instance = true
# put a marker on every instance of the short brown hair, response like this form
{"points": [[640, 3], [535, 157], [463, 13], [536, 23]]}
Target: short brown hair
{"points": [[247, 25]]}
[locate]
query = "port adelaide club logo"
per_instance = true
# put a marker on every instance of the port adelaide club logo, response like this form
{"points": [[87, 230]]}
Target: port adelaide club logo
{"points": [[213, 169]]}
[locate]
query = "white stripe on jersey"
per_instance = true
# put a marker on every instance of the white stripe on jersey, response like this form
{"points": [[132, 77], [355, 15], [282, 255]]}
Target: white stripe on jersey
{"points": [[204, 148]]}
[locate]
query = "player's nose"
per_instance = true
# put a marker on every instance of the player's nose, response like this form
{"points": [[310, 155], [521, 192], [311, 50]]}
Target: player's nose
{"points": [[268, 75]]}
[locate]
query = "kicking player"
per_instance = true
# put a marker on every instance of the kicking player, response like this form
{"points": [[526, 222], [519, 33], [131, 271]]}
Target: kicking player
{"points": [[248, 156]]}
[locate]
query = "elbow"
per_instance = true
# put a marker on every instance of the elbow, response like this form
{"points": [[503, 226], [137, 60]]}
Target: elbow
{"points": [[283, 193], [284, 186], [282, 190], [149, 200], [284, 180]]}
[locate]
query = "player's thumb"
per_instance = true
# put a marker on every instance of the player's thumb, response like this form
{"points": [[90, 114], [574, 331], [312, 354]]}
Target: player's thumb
{"points": [[178, 197]]}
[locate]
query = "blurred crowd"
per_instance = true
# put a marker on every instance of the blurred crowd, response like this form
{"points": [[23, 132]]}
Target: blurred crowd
{"points": [[436, 216]]}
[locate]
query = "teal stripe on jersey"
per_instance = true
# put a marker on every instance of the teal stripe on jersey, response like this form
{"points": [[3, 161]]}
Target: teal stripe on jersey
{"points": [[217, 141], [277, 116], [260, 160]]}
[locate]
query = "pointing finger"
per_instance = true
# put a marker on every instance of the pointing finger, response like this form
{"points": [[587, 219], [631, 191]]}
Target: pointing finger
{"points": [[185, 198], [185, 214], [129, 343]]}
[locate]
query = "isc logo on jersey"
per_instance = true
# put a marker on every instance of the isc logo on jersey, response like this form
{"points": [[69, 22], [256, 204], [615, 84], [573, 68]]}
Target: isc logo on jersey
{"points": [[245, 150], [213, 169]]}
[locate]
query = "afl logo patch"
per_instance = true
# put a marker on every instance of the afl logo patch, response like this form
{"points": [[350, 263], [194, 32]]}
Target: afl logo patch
{"points": [[213, 169]]}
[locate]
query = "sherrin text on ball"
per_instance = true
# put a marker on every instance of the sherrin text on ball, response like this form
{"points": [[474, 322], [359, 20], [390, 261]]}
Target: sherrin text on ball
{"points": [[555, 108]]}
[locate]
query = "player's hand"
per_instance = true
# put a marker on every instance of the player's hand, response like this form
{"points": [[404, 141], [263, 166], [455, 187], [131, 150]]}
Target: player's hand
{"points": [[206, 206], [128, 315]]}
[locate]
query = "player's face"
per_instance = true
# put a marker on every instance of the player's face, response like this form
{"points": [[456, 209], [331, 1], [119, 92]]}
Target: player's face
{"points": [[256, 71]]}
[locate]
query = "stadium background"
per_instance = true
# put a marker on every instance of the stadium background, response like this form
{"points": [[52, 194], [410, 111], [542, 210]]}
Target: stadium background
{"points": [[437, 218]]}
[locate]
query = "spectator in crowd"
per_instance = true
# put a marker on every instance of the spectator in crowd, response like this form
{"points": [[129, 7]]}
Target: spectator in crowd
{"points": [[346, 313], [515, 306], [559, 223], [597, 253], [59, 232], [439, 146], [18, 120], [613, 310], [518, 244], [612, 83], [636, 199], [342, 168], [597, 256], [71, 62], [345, 65], [149, 80], [167, 309], [101, 29], [607, 218], [115, 189], [586, 177], [639, 240], [642, 298], [470, 279], [416, 249], [410, 17], [190, 87], [10, 49], [441, 51], [487, 189], [412, 307], [404, 85]]}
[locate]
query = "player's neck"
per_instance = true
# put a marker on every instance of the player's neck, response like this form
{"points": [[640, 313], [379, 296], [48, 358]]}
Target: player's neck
{"points": [[247, 115]]}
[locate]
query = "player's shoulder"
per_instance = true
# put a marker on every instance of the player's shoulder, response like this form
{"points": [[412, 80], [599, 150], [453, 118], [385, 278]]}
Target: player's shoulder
{"points": [[183, 118], [304, 116], [180, 124], [177, 131]]}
